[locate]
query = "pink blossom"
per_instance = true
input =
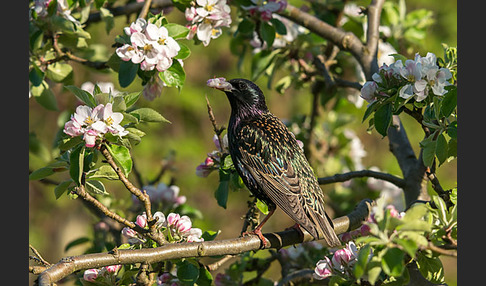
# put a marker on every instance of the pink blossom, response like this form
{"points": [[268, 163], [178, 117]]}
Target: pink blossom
{"points": [[184, 224], [113, 268], [90, 138], [142, 220], [172, 219], [91, 274], [323, 269]]}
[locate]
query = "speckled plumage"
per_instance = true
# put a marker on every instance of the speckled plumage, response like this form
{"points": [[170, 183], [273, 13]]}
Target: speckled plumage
{"points": [[272, 164]]}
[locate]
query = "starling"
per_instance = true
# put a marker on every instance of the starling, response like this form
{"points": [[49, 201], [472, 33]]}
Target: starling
{"points": [[270, 162]]}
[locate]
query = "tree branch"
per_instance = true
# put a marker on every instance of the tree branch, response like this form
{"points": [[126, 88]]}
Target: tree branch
{"points": [[277, 240], [399, 182]]}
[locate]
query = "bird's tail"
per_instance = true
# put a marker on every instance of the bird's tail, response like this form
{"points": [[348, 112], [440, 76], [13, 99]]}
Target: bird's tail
{"points": [[323, 228]]}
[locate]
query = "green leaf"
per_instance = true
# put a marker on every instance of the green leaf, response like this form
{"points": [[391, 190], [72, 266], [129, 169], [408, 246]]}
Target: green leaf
{"points": [[76, 164], [174, 76], [146, 114], [279, 26], [187, 273], [61, 188], [41, 173], [452, 130], [441, 149], [82, 95], [70, 142], [374, 271], [267, 32], [410, 246], [431, 268], [210, 235], [102, 98], [222, 191], [383, 117], [44, 96], [449, 102], [107, 17], [122, 157], [183, 53], [131, 98], [59, 72], [36, 75], [428, 150], [441, 209], [95, 187], [246, 26], [176, 31], [360, 266], [127, 73], [262, 207], [104, 172], [392, 262], [205, 278]]}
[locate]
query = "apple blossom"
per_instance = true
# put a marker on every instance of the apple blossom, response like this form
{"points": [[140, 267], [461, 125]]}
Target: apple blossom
{"points": [[94, 123], [112, 268], [91, 274], [323, 269], [413, 79], [206, 18], [142, 220], [150, 46]]}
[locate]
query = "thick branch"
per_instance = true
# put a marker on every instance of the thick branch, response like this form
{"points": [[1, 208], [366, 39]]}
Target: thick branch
{"points": [[233, 246], [413, 169]]}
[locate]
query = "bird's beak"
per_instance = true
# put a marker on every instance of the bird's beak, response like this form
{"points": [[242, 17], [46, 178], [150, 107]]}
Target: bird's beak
{"points": [[220, 83]]}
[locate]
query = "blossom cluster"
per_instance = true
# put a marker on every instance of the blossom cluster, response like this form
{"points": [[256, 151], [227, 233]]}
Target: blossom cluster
{"points": [[213, 159], [176, 227], [150, 46], [413, 79], [341, 263], [264, 9], [93, 123], [105, 273], [206, 18]]}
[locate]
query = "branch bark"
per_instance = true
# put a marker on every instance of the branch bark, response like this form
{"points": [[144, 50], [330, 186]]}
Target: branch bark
{"points": [[277, 240]]}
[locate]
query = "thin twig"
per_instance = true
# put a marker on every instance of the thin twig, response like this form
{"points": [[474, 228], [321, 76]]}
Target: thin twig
{"points": [[145, 9], [216, 265], [217, 130], [38, 256]]}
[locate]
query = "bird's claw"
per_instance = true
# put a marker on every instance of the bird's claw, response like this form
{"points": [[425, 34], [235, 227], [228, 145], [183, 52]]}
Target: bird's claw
{"points": [[258, 233]]}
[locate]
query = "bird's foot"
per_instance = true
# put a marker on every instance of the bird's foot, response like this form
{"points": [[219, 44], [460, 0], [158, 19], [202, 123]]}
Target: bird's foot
{"points": [[257, 231]]}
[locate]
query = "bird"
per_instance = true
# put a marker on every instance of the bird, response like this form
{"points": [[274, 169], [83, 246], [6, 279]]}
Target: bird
{"points": [[271, 163]]}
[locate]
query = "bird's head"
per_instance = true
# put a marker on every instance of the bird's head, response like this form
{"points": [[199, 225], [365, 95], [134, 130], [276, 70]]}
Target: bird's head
{"points": [[245, 97]]}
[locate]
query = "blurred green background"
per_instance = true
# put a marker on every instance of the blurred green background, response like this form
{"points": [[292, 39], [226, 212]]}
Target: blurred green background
{"points": [[54, 223]]}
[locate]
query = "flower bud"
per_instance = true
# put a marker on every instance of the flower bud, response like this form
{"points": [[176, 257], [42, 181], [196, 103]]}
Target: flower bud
{"points": [[323, 269], [91, 274], [142, 220], [184, 224], [172, 219], [113, 268]]}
